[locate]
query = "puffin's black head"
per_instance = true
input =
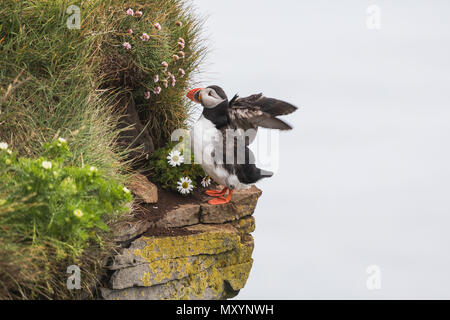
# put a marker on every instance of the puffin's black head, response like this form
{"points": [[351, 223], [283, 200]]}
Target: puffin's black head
{"points": [[209, 97]]}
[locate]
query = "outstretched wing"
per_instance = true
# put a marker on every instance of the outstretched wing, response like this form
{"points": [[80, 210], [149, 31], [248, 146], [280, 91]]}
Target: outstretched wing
{"points": [[258, 111]]}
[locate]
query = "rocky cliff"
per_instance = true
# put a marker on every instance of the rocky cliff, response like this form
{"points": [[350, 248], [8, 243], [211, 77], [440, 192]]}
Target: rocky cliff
{"points": [[190, 251]]}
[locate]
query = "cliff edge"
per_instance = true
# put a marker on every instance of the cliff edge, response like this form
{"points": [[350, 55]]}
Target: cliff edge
{"points": [[190, 251]]}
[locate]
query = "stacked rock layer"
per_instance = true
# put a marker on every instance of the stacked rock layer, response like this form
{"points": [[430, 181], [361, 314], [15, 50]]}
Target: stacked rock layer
{"points": [[207, 254]]}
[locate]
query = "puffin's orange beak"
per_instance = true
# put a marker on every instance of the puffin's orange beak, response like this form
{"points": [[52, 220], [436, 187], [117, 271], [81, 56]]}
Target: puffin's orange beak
{"points": [[193, 96]]}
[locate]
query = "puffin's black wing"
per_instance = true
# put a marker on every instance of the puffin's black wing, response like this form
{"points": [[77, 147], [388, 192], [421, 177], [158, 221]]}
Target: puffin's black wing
{"points": [[258, 111]]}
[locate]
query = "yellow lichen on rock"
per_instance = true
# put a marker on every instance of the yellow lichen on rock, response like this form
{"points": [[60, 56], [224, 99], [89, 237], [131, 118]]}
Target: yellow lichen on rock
{"points": [[208, 240], [162, 271], [245, 225], [212, 261]]}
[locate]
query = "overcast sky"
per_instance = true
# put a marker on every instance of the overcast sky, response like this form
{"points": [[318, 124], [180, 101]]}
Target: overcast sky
{"points": [[364, 177]]}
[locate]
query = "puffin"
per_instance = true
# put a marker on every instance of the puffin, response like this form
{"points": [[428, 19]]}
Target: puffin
{"points": [[221, 137]]}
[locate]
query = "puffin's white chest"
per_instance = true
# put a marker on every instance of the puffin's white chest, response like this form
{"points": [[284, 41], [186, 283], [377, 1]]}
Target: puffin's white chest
{"points": [[205, 137], [207, 143]]}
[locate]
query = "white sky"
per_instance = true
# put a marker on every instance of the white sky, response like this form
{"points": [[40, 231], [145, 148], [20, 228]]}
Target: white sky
{"points": [[364, 177]]}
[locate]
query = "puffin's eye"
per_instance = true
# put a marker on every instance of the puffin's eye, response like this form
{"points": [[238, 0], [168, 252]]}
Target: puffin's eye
{"points": [[210, 94]]}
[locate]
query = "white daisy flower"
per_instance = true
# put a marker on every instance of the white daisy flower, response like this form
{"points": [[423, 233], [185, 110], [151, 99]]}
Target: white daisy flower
{"points": [[175, 158], [185, 185], [3, 146], [9, 151], [78, 213], [46, 164], [206, 181]]}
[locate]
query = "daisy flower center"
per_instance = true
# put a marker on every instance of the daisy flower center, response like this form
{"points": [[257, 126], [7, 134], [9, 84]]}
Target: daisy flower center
{"points": [[185, 185]]}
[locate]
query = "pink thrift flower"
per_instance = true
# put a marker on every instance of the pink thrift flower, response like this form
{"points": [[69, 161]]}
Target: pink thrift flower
{"points": [[175, 57], [181, 54], [165, 83], [127, 45], [173, 81], [164, 64], [157, 90], [147, 95], [157, 26], [130, 31], [139, 13], [180, 45], [156, 78], [130, 12], [181, 72], [181, 40], [145, 37], [179, 23]]}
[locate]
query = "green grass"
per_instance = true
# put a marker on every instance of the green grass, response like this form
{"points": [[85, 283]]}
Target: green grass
{"points": [[48, 204], [57, 82]]}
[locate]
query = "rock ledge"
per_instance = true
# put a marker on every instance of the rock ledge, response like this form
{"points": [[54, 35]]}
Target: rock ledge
{"points": [[207, 257]]}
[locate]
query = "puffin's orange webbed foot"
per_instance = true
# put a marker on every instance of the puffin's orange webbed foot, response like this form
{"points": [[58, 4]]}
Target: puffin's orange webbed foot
{"points": [[216, 193], [221, 200]]}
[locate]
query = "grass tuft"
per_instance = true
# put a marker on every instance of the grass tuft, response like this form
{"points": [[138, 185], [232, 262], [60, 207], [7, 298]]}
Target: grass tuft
{"points": [[60, 82]]}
